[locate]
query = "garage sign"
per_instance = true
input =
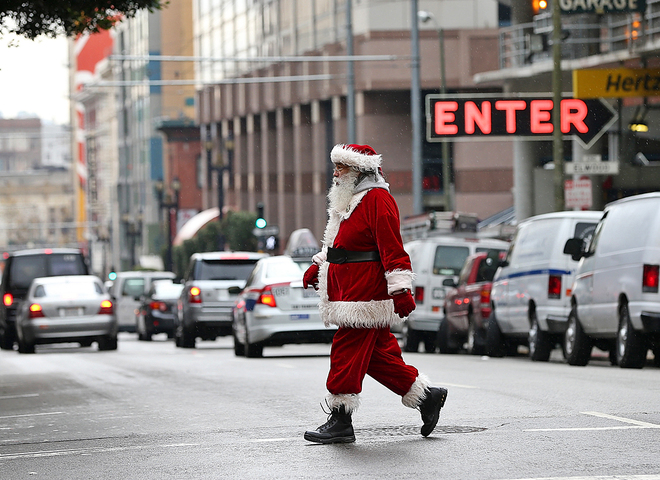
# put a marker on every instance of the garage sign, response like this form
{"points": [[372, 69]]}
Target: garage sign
{"points": [[602, 6], [454, 117]]}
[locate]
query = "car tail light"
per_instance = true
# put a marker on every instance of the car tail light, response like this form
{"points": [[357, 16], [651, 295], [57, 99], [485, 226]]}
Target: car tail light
{"points": [[7, 299], [650, 278], [484, 297], [36, 311], [419, 295], [554, 286], [106, 308], [267, 297], [195, 295], [155, 305]]}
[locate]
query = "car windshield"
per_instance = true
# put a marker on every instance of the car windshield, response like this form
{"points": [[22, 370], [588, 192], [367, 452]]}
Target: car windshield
{"points": [[283, 269], [169, 290], [68, 290], [224, 269]]}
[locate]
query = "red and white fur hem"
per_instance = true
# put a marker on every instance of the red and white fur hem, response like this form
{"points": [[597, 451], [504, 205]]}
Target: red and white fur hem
{"points": [[398, 280], [350, 401], [417, 392]]}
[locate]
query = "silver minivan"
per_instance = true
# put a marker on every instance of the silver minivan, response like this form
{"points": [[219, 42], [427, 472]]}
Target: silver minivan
{"points": [[615, 304], [532, 289]]}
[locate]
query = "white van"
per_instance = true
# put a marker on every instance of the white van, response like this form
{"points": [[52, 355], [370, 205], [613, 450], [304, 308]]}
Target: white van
{"points": [[126, 290], [434, 260], [532, 289], [615, 301]]}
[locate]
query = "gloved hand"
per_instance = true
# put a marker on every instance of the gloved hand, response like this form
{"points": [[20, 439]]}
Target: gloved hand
{"points": [[311, 277], [404, 303]]}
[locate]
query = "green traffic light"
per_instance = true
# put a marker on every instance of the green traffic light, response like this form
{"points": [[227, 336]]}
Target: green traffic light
{"points": [[112, 276], [260, 223]]}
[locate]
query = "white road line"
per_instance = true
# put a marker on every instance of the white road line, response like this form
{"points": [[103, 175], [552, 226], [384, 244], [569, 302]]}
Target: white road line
{"points": [[31, 415], [636, 424], [87, 451], [607, 477], [27, 395], [456, 385]]}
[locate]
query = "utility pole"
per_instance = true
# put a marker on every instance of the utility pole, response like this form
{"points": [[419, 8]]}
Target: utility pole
{"points": [[415, 108], [350, 94], [557, 138]]}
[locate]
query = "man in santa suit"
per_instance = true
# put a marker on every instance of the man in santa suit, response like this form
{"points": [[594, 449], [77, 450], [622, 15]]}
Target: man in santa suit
{"points": [[364, 276]]}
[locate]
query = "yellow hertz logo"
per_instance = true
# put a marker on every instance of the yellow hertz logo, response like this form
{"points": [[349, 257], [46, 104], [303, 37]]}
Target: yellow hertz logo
{"points": [[616, 83]]}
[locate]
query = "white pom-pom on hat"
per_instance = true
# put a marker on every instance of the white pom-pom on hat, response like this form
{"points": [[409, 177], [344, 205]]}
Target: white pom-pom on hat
{"points": [[362, 157]]}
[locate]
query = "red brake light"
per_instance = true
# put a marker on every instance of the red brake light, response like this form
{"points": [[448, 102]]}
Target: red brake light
{"points": [[8, 299], [419, 295], [485, 296], [106, 308], [156, 305], [650, 278], [195, 295], [36, 311], [554, 286], [267, 297]]}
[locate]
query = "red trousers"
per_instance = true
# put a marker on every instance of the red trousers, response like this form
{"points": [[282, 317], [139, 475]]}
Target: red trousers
{"points": [[357, 352]]}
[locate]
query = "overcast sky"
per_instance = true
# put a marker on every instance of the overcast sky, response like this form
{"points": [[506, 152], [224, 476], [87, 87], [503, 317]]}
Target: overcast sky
{"points": [[34, 78]]}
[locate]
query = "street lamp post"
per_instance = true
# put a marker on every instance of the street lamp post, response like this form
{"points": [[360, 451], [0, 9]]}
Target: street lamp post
{"points": [[424, 17], [220, 167], [167, 204], [133, 228]]}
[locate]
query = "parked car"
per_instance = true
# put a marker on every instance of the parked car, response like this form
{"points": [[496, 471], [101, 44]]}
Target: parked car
{"points": [[21, 268], [532, 289], [73, 308], [212, 283], [126, 291], [434, 260], [155, 314], [467, 305], [615, 303], [274, 309]]}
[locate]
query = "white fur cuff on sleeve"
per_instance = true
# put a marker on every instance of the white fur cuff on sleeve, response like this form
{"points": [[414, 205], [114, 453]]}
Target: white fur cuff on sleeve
{"points": [[399, 279], [320, 257]]}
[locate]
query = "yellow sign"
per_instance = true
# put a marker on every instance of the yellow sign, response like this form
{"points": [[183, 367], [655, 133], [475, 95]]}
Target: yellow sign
{"points": [[616, 83]]}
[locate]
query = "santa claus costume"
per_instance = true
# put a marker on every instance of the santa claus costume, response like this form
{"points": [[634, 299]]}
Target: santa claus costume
{"points": [[364, 279]]}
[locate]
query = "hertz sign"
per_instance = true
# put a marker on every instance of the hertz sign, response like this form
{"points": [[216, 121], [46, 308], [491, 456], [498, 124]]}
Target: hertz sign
{"points": [[449, 117]]}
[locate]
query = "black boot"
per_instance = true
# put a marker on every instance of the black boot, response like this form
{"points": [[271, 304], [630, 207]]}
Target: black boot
{"points": [[430, 408], [338, 428]]}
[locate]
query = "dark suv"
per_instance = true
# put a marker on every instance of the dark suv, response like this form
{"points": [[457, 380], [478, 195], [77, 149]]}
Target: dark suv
{"points": [[21, 267]]}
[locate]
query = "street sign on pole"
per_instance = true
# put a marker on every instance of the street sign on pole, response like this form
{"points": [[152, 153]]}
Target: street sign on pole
{"points": [[577, 193], [267, 231], [591, 168]]}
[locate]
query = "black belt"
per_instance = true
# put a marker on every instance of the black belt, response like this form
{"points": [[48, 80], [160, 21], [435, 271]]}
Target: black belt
{"points": [[339, 255]]}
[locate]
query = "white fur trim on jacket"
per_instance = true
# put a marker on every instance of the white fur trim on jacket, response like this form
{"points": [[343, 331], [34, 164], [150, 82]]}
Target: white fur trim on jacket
{"points": [[371, 314], [320, 257], [417, 392], [399, 279], [350, 401], [346, 155]]}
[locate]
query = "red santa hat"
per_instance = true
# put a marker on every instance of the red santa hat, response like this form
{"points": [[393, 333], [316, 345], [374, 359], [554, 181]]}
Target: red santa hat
{"points": [[362, 157]]}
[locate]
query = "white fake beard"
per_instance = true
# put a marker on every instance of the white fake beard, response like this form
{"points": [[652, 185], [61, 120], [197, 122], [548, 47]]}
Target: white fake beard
{"points": [[341, 192]]}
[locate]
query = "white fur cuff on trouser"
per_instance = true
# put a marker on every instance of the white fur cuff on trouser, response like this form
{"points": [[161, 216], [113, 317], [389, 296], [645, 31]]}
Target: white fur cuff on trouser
{"points": [[417, 392], [350, 401]]}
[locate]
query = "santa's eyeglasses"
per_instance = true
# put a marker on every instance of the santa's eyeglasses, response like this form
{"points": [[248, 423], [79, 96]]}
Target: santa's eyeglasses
{"points": [[340, 167]]}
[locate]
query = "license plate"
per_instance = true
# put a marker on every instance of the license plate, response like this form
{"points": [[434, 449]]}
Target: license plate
{"points": [[299, 316], [309, 293], [71, 312]]}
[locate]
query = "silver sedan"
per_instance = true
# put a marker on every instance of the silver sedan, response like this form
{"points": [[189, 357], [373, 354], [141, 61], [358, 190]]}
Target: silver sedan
{"points": [[274, 309], [75, 308]]}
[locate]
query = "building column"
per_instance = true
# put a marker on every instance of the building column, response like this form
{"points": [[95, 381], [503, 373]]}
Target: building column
{"points": [[524, 158]]}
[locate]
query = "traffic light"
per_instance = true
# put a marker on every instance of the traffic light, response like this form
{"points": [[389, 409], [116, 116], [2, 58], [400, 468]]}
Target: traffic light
{"points": [[261, 221], [539, 6]]}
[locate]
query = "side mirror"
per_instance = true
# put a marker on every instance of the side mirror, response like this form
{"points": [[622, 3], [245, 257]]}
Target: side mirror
{"points": [[575, 248], [449, 282], [503, 263]]}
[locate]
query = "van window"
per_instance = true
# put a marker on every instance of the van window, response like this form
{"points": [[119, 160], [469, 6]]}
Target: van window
{"points": [[133, 287], [223, 269], [449, 260], [26, 268]]}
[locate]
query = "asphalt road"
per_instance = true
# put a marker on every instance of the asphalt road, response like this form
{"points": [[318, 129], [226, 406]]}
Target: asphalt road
{"points": [[152, 411]]}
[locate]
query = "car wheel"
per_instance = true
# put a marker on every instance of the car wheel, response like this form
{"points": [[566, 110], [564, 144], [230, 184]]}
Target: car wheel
{"points": [[188, 338], [24, 346], [239, 348], [254, 350], [108, 342], [577, 344], [7, 338], [540, 342], [630, 346], [496, 344], [444, 339], [476, 340], [411, 339]]}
